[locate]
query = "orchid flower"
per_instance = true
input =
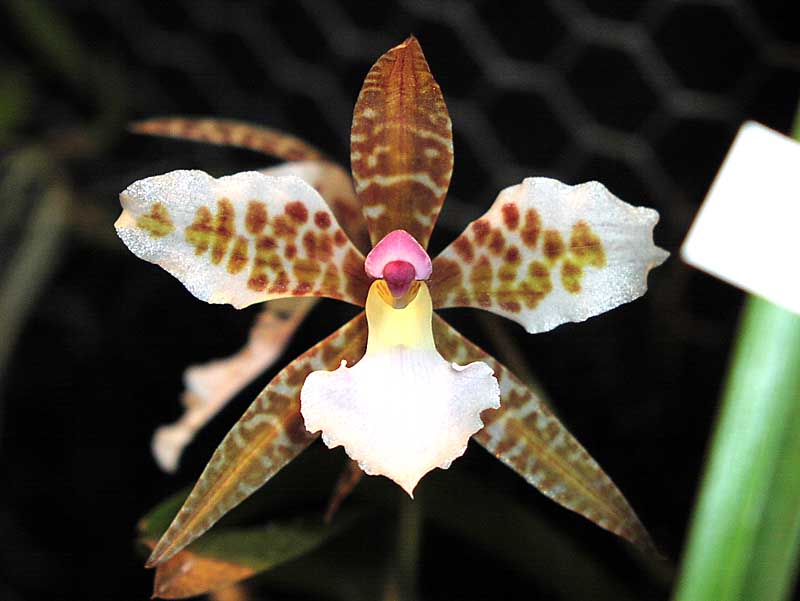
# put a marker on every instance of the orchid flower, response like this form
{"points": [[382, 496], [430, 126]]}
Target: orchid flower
{"points": [[397, 387]]}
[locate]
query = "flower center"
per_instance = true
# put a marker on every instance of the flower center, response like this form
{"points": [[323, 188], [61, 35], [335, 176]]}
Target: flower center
{"points": [[399, 275], [399, 260]]}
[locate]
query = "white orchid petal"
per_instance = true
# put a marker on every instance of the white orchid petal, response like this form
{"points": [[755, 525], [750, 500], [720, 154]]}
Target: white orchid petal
{"points": [[402, 410]]}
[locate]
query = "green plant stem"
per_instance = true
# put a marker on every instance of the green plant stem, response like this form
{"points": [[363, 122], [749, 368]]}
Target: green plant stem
{"points": [[746, 528], [402, 582]]}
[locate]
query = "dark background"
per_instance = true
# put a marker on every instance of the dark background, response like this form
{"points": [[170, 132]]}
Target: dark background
{"points": [[643, 96]]}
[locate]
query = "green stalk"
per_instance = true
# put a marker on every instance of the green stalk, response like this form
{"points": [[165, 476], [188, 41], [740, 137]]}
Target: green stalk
{"points": [[401, 583], [745, 534], [746, 529]]}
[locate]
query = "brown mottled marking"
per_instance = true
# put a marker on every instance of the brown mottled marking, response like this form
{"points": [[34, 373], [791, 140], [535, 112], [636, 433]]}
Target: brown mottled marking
{"points": [[553, 245], [480, 230], [297, 211], [237, 261], [157, 221], [512, 255], [586, 245], [497, 242], [230, 133], [265, 257], [214, 231], [280, 284], [330, 280], [537, 285], [510, 215], [319, 247], [512, 306], [401, 145], [283, 227], [219, 232], [324, 247], [531, 229], [322, 220], [266, 243], [507, 272], [463, 247], [257, 282], [199, 232], [302, 289], [357, 281], [256, 217], [225, 229], [571, 275], [306, 270], [310, 244], [446, 280], [481, 279]]}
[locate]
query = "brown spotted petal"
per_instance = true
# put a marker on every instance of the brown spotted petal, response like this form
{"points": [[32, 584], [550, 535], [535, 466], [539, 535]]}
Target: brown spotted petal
{"points": [[241, 239], [335, 185], [526, 436], [401, 145], [226, 132], [268, 436], [547, 253], [329, 179], [210, 386]]}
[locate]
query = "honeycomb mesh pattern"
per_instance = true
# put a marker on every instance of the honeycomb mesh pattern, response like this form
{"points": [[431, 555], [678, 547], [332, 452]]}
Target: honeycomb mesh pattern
{"points": [[644, 96], [621, 91]]}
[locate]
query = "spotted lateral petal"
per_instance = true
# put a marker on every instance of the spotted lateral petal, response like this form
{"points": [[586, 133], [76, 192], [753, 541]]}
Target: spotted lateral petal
{"points": [[269, 435], [210, 386], [242, 239], [329, 179], [335, 185], [401, 145], [526, 436], [226, 132], [547, 253]]}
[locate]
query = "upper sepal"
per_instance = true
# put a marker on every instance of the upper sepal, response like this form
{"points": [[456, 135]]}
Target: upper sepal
{"points": [[547, 253], [242, 238], [401, 145]]}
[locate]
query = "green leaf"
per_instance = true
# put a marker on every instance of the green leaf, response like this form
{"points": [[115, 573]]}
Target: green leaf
{"points": [[303, 486], [351, 567], [35, 202], [235, 550], [262, 548], [156, 521], [745, 534], [228, 555], [746, 528]]}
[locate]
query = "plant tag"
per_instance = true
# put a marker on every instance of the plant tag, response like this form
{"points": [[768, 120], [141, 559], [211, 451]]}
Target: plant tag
{"points": [[747, 231]]}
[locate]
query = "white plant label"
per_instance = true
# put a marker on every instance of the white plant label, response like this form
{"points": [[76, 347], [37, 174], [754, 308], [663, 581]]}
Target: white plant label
{"points": [[747, 231]]}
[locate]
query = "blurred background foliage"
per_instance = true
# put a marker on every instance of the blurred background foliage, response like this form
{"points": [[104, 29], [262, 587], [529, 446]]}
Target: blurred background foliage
{"points": [[643, 96]]}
